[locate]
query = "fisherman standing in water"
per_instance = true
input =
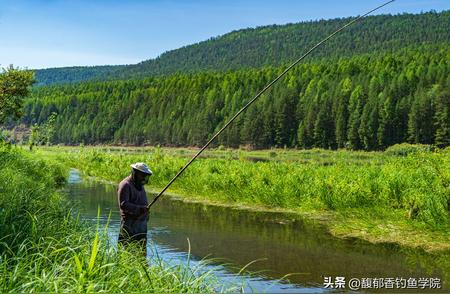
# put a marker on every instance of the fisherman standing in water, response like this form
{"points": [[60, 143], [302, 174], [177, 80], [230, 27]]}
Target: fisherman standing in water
{"points": [[133, 206]]}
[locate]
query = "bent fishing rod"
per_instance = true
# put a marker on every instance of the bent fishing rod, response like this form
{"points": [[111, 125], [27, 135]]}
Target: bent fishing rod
{"points": [[267, 87]]}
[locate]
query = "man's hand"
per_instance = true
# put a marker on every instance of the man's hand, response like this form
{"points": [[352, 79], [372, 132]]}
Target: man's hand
{"points": [[143, 210]]}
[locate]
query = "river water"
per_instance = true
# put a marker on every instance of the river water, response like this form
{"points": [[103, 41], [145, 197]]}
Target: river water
{"points": [[279, 244]]}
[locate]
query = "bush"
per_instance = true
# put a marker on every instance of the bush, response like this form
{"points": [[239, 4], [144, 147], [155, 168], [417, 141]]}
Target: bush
{"points": [[405, 149]]}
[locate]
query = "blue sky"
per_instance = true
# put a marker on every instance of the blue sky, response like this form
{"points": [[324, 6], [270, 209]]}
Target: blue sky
{"points": [[56, 33]]}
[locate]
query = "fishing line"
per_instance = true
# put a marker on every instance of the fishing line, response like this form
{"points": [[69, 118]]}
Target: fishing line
{"points": [[262, 92]]}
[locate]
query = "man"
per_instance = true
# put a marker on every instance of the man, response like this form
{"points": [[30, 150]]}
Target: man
{"points": [[133, 206]]}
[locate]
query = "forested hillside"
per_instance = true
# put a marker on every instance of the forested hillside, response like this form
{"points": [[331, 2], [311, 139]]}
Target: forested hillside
{"points": [[274, 45], [64, 75], [367, 101]]}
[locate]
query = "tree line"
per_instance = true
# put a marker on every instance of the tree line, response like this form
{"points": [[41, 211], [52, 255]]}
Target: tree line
{"points": [[367, 102]]}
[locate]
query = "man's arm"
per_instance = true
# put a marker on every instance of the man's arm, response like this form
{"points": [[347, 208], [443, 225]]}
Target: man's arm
{"points": [[124, 201]]}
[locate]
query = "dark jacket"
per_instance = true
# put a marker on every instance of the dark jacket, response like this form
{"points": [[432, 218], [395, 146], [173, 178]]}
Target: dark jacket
{"points": [[131, 199]]}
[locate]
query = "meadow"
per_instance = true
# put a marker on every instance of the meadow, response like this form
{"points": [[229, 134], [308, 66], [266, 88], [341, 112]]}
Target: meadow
{"points": [[397, 196], [45, 247]]}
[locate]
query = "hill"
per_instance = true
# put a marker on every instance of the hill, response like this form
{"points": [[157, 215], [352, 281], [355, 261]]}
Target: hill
{"points": [[368, 101], [274, 45]]}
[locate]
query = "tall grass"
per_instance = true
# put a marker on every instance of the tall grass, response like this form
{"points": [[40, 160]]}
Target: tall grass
{"points": [[400, 196], [415, 185], [44, 248]]}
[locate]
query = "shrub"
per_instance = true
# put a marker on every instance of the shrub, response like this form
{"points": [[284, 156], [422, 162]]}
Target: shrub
{"points": [[404, 149]]}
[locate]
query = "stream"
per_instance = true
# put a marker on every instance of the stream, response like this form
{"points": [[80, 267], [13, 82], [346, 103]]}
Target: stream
{"points": [[278, 244]]}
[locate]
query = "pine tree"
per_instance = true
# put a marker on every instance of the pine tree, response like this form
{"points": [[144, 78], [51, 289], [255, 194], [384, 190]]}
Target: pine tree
{"points": [[442, 118], [342, 112], [385, 133], [324, 128], [369, 124], [355, 109], [420, 124]]}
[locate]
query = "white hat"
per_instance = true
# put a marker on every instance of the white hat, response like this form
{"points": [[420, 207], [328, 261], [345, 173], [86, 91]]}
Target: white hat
{"points": [[142, 167]]}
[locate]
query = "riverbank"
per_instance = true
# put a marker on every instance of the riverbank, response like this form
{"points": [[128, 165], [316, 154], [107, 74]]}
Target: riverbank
{"points": [[399, 196], [45, 248]]}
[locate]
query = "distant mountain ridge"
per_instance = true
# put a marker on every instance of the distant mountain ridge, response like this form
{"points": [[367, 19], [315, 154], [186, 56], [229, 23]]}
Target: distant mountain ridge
{"points": [[273, 45]]}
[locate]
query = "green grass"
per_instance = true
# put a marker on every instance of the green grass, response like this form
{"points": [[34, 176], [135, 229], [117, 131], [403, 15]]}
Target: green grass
{"points": [[44, 247], [378, 196]]}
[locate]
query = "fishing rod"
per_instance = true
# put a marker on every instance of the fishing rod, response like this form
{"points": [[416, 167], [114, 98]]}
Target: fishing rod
{"points": [[262, 92]]}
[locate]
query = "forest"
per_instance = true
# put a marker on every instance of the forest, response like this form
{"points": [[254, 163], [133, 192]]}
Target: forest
{"points": [[363, 102], [273, 45]]}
